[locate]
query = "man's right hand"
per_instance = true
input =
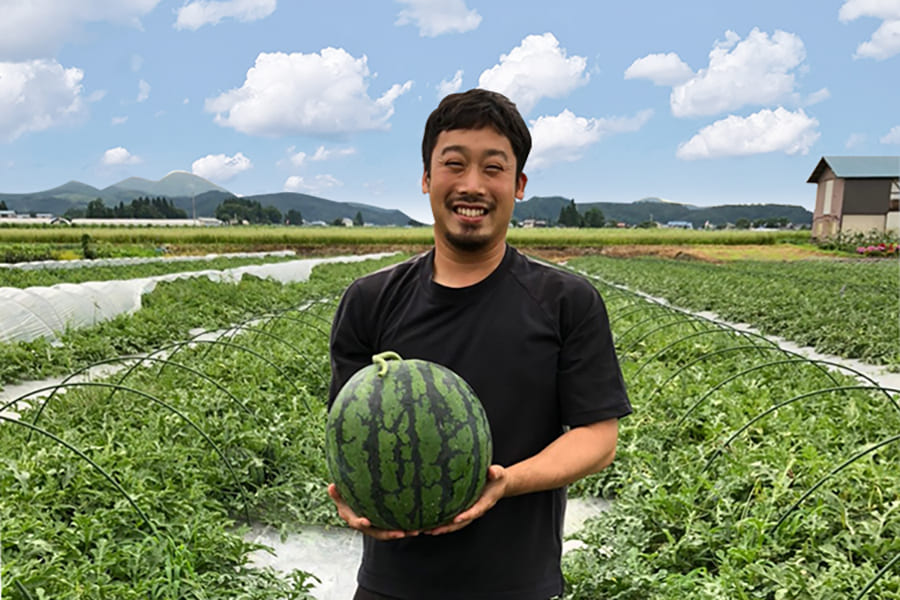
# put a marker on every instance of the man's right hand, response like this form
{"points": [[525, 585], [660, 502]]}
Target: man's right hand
{"points": [[361, 523]]}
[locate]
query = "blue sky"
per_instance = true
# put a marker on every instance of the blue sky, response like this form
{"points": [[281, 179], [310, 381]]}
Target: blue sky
{"points": [[699, 102]]}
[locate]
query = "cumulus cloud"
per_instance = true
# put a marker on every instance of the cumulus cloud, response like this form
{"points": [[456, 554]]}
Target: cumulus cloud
{"points": [[38, 28], [892, 137], [37, 95], [565, 137], [219, 167], [450, 86], [324, 93], [143, 90], [298, 159], [855, 140], [816, 97], [778, 130], [535, 69], [319, 183], [661, 69], [198, 13], [119, 156], [755, 71], [436, 17], [885, 42]]}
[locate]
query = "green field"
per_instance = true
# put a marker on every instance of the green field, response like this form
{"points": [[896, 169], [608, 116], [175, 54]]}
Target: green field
{"points": [[745, 472]]}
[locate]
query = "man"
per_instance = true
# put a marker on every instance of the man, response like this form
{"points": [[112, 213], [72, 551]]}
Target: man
{"points": [[532, 340]]}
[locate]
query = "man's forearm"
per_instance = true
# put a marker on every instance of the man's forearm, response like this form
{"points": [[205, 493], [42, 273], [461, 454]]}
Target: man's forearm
{"points": [[579, 452]]}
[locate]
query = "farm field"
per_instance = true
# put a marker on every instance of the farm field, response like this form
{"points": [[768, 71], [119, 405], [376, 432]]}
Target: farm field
{"points": [[746, 471]]}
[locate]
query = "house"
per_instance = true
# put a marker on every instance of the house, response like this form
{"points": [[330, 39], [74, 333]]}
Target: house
{"points": [[856, 194], [680, 225]]}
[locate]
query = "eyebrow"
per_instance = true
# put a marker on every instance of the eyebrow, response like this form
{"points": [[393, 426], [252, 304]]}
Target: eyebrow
{"points": [[463, 150]]}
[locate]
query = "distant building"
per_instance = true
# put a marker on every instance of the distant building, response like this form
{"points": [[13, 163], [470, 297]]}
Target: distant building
{"points": [[532, 223], [856, 194], [7, 214], [680, 225]]}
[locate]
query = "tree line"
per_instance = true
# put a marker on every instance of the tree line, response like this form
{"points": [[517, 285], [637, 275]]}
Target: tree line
{"points": [[139, 208]]}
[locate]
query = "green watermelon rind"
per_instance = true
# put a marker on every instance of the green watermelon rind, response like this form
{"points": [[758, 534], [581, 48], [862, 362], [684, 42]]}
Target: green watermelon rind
{"points": [[374, 467]]}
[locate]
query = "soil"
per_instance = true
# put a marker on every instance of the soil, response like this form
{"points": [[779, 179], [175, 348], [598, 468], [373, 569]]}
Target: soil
{"points": [[557, 254]]}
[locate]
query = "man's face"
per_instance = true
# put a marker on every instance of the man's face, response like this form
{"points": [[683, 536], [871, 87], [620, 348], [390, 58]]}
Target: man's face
{"points": [[473, 187]]}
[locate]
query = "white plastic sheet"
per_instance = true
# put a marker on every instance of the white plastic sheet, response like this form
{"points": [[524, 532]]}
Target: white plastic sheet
{"points": [[133, 260], [35, 312]]}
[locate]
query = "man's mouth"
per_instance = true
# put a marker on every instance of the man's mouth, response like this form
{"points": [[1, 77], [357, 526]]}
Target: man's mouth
{"points": [[471, 212]]}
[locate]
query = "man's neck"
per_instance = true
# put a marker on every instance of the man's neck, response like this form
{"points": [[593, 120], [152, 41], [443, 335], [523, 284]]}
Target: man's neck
{"points": [[456, 269]]}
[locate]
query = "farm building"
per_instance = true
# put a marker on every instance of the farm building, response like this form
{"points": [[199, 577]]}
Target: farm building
{"points": [[856, 194]]}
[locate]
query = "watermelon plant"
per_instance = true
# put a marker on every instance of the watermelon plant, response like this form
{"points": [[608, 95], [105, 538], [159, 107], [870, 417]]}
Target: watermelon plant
{"points": [[407, 443]]}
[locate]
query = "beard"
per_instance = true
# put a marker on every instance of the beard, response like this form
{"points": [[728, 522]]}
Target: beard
{"points": [[469, 241]]}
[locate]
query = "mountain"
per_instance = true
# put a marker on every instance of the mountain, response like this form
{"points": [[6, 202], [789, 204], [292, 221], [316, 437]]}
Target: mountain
{"points": [[75, 194], [662, 211], [314, 208], [175, 184], [196, 196]]}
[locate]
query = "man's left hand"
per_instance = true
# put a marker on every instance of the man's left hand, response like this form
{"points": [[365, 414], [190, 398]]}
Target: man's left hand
{"points": [[494, 489]]}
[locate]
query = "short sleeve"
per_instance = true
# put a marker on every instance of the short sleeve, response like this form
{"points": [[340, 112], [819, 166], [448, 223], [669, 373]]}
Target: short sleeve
{"points": [[590, 383], [351, 346]]}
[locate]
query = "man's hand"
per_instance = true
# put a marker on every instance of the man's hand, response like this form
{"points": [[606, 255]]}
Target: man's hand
{"points": [[494, 489], [361, 523]]}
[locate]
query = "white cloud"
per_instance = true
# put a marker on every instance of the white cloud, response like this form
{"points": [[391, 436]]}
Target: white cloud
{"points": [[535, 69], [884, 43], [319, 183], [565, 137], [143, 90], [450, 86], [325, 93], [198, 13], [119, 120], [880, 9], [219, 167], [756, 71], [778, 130], [38, 28], [96, 96], [38, 94], [119, 156], [298, 159], [855, 140], [892, 137], [661, 69], [323, 153], [819, 96], [436, 17]]}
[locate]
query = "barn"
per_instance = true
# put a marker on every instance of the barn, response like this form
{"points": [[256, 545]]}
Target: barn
{"points": [[856, 194]]}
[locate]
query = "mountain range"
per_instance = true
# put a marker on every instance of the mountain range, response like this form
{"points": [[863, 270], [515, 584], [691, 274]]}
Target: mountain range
{"points": [[199, 197]]}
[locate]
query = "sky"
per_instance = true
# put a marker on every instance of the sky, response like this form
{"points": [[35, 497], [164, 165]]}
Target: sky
{"points": [[702, 102]]}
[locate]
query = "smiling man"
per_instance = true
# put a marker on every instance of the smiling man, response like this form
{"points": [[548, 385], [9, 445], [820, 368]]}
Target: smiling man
{"points": [[532, 340]]}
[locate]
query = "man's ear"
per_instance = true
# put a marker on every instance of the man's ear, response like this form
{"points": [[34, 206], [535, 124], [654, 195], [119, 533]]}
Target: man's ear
{"points": [[426, 182], [520, 186]]}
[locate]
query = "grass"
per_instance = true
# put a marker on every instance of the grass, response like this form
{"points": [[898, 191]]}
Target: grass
{"points": [[191, 240]]}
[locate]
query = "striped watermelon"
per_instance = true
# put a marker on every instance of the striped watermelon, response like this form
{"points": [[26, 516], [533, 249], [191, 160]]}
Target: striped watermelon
{"points": [[407, 443]]}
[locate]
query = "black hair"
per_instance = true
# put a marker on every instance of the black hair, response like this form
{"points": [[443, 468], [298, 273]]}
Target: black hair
{"points": [[476, 109]]}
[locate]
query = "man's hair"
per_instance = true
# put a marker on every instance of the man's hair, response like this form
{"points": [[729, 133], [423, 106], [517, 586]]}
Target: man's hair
{"points": [[476, 109]]}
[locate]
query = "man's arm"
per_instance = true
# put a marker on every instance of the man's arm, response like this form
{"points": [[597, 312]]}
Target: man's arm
{"points": [[579, 452]]}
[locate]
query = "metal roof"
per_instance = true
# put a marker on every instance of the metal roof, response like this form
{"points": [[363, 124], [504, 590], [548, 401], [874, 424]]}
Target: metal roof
{"points": [[858, 166]]}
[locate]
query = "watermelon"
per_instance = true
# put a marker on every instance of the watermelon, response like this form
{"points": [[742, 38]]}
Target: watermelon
{"points": [[407, 443]]}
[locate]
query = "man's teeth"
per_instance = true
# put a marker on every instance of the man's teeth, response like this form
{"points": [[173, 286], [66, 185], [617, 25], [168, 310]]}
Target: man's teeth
{"points": [[470, 212]]}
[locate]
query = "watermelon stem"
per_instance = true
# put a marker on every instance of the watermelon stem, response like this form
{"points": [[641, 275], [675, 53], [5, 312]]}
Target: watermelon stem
{"points": [[382, 358]]}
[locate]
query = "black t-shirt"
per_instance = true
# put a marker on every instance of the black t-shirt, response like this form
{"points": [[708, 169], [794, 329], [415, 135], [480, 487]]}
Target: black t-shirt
{"points": [[534, 343]]}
